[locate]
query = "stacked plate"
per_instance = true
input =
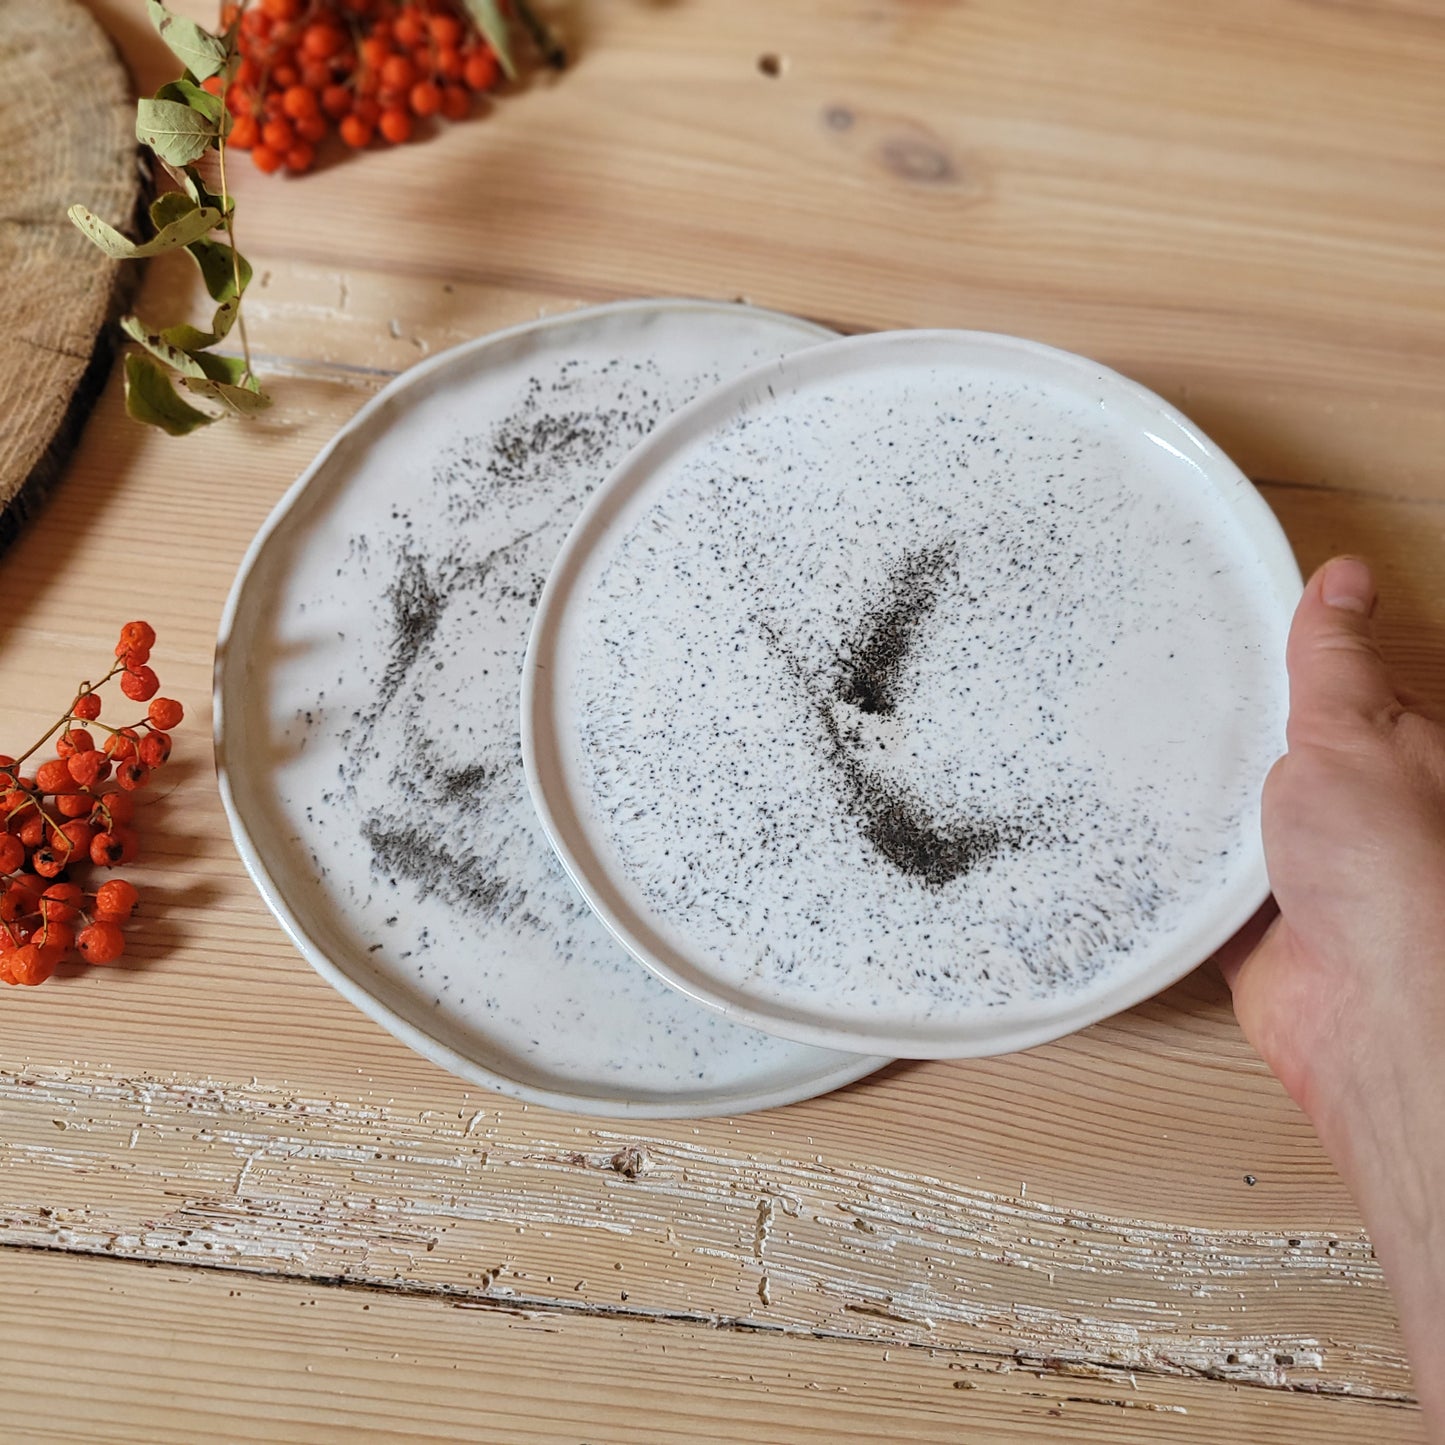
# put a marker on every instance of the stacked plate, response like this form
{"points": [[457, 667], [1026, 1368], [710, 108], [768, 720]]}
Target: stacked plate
{"points": [[672, 709]]}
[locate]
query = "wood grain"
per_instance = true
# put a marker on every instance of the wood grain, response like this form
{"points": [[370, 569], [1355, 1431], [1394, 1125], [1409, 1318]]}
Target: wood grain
{"points": [[1243, 209], [60, 143], [186, 1354]]}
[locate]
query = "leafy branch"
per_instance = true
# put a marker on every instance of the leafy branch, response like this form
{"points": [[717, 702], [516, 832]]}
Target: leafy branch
{"points": [[182, 122]]}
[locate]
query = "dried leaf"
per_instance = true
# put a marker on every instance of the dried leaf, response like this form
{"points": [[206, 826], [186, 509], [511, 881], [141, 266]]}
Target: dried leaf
{"points": [[219, 267], [182, 230], [175, 132], [150, 398], [185, 92], [200, 52], [495, 31], [191, 181], [245, 399]]}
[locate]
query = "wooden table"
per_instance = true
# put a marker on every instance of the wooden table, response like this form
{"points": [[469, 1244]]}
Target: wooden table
{"points": [[233, 1207]]}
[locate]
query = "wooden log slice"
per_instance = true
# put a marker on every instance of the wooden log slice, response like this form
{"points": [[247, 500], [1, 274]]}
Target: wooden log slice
{"points": [[67, 134]]}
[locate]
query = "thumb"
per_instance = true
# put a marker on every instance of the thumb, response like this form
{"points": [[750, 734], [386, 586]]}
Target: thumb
{"points": [[1337, 677]]}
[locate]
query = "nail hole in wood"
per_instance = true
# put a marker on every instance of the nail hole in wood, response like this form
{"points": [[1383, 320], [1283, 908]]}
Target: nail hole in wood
{"points": [[771, 65]]}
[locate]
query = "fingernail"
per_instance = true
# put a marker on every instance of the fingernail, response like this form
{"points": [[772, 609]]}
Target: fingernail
{"points": [[1348, 583]]}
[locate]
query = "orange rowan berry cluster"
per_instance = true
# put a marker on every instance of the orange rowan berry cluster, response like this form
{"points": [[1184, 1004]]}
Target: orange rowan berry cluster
{"points": [[64, 820], [370, 68]]}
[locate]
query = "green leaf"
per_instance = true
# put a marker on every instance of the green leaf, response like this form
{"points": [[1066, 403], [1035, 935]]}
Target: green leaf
{"points": [[185, 92], [199, 51], [495, 31], [244, 400], [150, 398], [186, 227], [219, 266], [177, 358], [191, 338], [175, 132], [228, 369], [169, 207]]}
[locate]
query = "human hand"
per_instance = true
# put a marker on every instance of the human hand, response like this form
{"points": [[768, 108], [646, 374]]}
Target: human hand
{"points": [[1345, 996]]}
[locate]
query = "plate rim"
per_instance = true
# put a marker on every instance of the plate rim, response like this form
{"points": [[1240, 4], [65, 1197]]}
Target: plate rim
{"points": [[416, 1037], [1035, 1027]]}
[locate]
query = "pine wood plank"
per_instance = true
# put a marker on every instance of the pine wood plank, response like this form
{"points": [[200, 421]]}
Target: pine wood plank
{"points": [[177, 1355]]}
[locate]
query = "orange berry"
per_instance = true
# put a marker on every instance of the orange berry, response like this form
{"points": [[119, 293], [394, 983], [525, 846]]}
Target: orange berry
{"points": [[316, 75], [115, 808], [456, 103], [311, 129], [16, 902], [135, 636], [368, 108], [107, 849], [140, 684], [77, 835], [299, 159], [72, 741], [247, 77], [56, 934], [88, 769], [132, 774], [76, 805], [278, 135], [396, 126], [53, 776], [355, 131], [101, 943], [283, 9], [426, 98], [409, 28], [257, 24], [398, 72], [32, 831], [321, 41], [116, 896], [446, 30], [12, 852], [213, 85], [375, 52], [121, 745], [48, 862], [244, 132], [450, 65], [87, 706], [284, 76], [71, 894], [298, 101], [336, 101], [30, 965], [482, 71]]}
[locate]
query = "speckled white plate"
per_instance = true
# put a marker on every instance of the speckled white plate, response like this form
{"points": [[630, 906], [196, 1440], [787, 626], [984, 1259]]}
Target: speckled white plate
{"points": [[913, 693], [366, 718]]}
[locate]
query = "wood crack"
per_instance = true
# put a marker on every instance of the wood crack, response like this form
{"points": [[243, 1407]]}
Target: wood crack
{"points": [[539, 1307]]}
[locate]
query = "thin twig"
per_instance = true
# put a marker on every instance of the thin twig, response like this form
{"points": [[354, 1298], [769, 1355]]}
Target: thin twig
{"points": [[543, 37]]}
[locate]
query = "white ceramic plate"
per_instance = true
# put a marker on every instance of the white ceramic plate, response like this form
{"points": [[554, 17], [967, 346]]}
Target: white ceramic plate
{"points": [[366, 718], [913, 693]]}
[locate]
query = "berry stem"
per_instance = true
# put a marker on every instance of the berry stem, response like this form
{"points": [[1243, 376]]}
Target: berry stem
{"points": [[552, 50], [67, 717]]}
